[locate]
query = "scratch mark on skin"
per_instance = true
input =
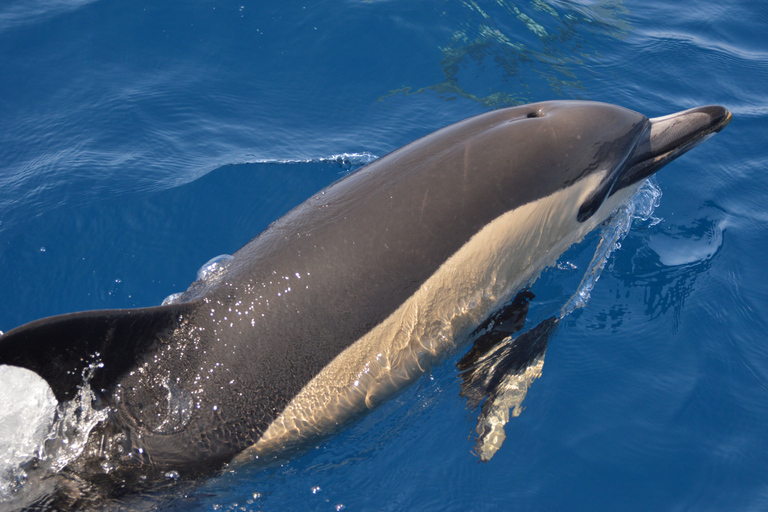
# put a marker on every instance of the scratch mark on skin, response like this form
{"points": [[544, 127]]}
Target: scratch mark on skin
{"points": [[464, 181], [423, 206]]}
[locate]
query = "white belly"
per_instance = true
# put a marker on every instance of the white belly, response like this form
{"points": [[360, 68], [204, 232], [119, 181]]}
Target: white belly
{"points": [[498, 261]]}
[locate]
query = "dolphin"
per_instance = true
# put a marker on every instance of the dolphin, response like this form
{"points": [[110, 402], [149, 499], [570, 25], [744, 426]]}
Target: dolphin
{"points": [[354, 293]]}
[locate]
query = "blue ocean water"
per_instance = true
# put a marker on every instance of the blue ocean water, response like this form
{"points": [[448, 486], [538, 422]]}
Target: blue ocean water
{"points": [[140, 139]]}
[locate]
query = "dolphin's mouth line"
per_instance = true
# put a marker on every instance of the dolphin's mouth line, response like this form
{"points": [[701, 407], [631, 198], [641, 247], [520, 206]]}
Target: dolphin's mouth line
{"points": [[647, 161]]}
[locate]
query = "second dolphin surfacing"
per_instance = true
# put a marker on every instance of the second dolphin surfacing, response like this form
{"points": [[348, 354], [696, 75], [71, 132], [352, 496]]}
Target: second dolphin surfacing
{"points": [[352, 294]]}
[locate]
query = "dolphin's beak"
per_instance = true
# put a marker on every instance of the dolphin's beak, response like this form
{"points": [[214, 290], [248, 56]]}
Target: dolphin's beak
{"points": [[666, 138]]}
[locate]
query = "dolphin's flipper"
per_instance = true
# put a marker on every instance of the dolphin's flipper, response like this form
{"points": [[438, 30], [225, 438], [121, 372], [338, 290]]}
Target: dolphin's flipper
{"points": [[502, 324], [500, 378], [482, 377], [62, 348]]}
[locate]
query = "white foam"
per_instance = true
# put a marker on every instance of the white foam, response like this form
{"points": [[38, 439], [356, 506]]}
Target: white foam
{"points": [[27, 410], [34, 425], [342, 159]]}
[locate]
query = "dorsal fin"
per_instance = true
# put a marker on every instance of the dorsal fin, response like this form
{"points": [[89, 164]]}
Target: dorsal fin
{"points": [[61, 348]]}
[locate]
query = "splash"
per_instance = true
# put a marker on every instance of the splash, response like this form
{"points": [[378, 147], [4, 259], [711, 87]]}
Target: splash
{"points": [[640, 208], [76, 418], [45, 436], [27, 410]]}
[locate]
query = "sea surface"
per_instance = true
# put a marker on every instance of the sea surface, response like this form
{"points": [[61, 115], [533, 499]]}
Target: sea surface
{"points": [[140, 139]]}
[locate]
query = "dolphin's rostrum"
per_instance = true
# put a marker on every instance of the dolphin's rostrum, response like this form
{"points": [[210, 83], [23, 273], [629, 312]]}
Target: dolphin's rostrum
{"points": [[353, 293]]}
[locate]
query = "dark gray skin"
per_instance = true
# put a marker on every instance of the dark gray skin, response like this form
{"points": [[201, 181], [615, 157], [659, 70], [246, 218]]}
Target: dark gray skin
{"points": [[240, 346]]}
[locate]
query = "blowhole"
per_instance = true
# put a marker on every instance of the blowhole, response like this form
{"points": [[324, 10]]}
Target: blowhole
{"points": [[535, 113]]}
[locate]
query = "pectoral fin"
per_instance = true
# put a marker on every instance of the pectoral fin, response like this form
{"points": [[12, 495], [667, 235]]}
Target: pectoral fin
{"points": [[500, 379], [505, 322]]}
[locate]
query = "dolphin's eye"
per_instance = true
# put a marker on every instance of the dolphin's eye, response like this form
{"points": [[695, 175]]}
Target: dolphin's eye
{"points": [[535, 113]]}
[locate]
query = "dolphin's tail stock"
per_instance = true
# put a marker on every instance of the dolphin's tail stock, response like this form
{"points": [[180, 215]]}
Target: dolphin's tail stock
{"points": [[98, 345]]}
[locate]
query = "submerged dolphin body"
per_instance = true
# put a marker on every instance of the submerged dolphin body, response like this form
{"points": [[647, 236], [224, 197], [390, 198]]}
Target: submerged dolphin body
{"points": [[352, 294]]}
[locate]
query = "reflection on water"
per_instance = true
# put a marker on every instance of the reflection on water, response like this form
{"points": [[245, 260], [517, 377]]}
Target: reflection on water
{"points": [[667, 264], [694, 250], [507, 54]]}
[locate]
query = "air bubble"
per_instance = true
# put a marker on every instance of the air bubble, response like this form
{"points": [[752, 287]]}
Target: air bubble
{"points": [[214, 266], [172, 299]]}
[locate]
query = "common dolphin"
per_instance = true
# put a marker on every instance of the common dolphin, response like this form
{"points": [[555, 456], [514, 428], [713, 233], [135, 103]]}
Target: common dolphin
{"points": [[352, 294]]}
